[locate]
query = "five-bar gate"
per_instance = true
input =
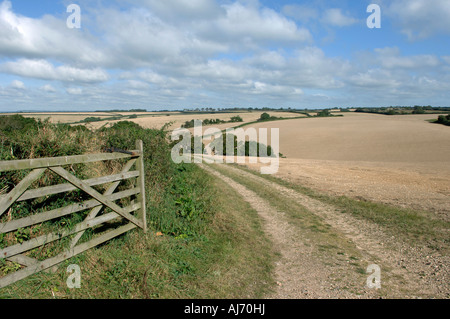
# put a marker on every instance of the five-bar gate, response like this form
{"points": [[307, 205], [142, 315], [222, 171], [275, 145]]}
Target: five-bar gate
{"points": [[134, 215]]}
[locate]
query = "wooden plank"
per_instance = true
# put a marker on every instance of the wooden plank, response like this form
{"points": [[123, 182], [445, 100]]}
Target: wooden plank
{"points": [[62, 188], [142, 213], [28, 261], [48, 263], [93, 213], [9, 199], [11, 251], [63, 211], [23, 260], [81, 185], [61, 161]]}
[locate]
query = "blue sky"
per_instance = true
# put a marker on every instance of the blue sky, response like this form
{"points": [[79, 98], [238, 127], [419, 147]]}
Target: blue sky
{"points": [[176, 54]]}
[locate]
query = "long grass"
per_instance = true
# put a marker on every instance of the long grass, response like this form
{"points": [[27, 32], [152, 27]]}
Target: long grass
{"points": [[199, 244]]}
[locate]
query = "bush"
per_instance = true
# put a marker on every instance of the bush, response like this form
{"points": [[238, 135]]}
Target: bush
{"points": [[91, 119], [175, 200], [17, 123], [324, 113], [264, 117], [236, 119], [261, 149], [418, 110], [444, 119]]}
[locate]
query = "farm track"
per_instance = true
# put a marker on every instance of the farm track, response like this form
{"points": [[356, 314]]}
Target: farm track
{"points": [[310, 266]]}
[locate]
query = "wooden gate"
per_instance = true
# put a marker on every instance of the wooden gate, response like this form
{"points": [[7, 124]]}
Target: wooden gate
{"points": [[17, 253]]}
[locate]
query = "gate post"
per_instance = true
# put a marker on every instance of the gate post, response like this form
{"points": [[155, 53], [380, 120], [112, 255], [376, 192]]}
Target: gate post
{"points": [[142, 213]]}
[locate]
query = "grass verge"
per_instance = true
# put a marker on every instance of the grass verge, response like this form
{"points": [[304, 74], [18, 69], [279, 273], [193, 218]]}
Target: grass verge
{"points": [[199, 244], [228, 258]]}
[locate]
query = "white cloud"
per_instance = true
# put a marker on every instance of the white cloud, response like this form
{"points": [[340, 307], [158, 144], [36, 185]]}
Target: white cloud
{"points": [[48, 88], [134, 93], [390, 58], [19, 85], [47, 37], [335, 17], [42, 69], [183, 9], [212, 52], [420, 19], [74, 91], [259, 25], [300, 12], [373, 79], [137, 85]]}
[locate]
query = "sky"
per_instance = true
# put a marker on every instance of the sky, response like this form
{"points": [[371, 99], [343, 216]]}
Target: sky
{"points": [[187, 54]]}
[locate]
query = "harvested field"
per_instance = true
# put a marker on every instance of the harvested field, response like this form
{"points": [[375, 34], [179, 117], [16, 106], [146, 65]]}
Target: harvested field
{"points": [[401, 160], [63, 117], [157, 121], [154, 120]]}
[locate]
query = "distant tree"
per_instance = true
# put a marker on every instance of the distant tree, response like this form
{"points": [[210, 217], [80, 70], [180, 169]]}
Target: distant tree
{"points": [[444, 119], [418, 110], [324, 113], [391, 112], [264, 117], [236, 119]]}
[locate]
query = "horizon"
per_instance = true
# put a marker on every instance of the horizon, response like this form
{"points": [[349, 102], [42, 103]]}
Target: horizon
{"points": [[177, 54], [225, 110]]}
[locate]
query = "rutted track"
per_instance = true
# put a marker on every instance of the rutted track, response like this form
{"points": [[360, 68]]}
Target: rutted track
{"points": [[301, 272]]}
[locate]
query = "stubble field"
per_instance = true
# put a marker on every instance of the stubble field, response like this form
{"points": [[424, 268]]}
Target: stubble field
{"points": [[400, 160]]}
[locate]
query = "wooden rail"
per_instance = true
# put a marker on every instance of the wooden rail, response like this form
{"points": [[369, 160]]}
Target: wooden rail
{"points": [[133, 215]]}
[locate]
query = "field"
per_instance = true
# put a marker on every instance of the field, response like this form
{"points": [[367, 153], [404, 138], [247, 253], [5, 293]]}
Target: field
{"points": [[401, 160], [153, 120], [351, 191]]}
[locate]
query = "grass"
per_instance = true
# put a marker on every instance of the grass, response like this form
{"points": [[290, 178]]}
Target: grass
{"points": [[229, 258], [199, 244]]}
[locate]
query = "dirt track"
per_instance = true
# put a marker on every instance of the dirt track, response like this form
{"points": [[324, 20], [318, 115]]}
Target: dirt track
{"points": [[409, 272]]}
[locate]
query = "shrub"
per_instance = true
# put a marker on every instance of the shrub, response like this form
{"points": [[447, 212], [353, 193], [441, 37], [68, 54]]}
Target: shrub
{"points": [[324, 113], [264, 117], [444, 119], [177, 203], [235, 119], [11, 123], [418, 110], [91, 119]]}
